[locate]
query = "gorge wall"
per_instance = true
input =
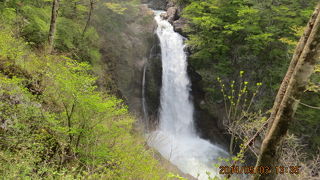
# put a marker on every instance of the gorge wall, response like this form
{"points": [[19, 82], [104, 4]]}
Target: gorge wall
{"points": [[133, 46], [126, 48]]}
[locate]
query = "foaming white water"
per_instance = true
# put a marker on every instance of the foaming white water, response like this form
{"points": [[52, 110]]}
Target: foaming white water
{"points": [[175, 137]]}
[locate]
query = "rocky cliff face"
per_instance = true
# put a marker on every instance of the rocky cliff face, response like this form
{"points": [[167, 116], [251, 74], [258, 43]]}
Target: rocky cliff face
{"points": [[156, 4], [153, 82], [126, 50], [173, 13]]}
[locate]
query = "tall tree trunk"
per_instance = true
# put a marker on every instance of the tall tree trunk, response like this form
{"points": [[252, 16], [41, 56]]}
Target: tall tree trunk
{"points": [[306, 55], [53, 23], [89, 17]]}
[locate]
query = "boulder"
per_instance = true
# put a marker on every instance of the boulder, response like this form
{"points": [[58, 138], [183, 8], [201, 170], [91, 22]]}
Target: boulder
{"points": [[164, 15], [172, 14], [170, 3], [179, 26]]}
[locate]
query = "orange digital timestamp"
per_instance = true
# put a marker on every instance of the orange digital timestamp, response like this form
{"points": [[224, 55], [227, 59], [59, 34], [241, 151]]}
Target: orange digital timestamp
{"points": [[287, 169], [245, 170], [259, 170]]}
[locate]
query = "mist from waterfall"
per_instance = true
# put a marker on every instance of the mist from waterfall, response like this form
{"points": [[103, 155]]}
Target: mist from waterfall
{"points": [[175, 137]]}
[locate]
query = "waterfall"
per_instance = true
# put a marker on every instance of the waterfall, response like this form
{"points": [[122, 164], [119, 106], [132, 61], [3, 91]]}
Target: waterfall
{"points": [[176, 138], [144, 103]]}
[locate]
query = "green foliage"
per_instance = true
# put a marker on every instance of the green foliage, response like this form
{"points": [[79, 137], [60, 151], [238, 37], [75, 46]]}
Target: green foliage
{"points": [[31, 20], [11, 48], [227, 35], [115, 7], [56, 125], [238, 100], [174, 176], [258, 37], [36, 27], [8, 15], [241, 119], [88, 47]]}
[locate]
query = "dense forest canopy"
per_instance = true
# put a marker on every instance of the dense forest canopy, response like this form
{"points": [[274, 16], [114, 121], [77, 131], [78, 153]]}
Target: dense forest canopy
{"points": [[54, 122], [63, 112], [247, 45], [255, 37]]}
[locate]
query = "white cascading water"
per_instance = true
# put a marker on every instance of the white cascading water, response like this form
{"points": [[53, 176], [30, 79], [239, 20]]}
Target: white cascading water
{"points": [[176, 138]]}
